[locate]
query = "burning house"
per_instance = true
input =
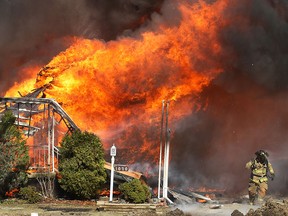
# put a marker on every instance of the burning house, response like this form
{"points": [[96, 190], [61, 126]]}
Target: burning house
{"points": [[223, 64], [44, 123], [40, 120]]}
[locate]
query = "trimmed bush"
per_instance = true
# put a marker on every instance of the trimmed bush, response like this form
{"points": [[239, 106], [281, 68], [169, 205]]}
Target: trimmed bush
{"points": [[81, 165], [30, 194], [135, 192]]}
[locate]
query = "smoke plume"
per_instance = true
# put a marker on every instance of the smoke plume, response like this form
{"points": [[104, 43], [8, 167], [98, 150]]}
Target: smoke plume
{"points": [[247, 104], [32, 31], [243, 109]]}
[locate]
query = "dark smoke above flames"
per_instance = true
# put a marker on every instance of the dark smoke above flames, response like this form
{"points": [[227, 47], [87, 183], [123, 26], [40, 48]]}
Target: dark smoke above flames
{"points": [[244, 109], [247, 104], [33, 31]]}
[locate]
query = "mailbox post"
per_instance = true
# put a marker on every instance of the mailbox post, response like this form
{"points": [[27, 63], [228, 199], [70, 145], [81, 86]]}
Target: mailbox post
{"points": [[113, 154]]}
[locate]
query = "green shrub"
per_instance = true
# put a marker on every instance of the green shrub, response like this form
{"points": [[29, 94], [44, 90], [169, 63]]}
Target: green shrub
{"points": [[81, 165], [30, 194], [134, 191], [14, 157]]}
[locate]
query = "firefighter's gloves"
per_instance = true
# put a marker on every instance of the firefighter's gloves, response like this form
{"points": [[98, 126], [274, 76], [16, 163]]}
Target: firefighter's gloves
{"points": [[272, 176]]}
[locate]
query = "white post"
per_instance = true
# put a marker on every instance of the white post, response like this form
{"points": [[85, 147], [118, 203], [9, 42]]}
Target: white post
{"points": [[160, 156], [113, 154], [166, 156], [166, 167], [165, 175]]}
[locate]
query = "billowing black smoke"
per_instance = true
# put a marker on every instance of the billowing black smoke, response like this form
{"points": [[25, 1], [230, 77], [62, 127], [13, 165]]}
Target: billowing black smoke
{"points": [[32, 31], [244, 109], [247, 104]]}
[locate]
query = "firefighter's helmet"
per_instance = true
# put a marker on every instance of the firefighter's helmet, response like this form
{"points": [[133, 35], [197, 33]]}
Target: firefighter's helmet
{"points": [[262, 156], [262, 153]]}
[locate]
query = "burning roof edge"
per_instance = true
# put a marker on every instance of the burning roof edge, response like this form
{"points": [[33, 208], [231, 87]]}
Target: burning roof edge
{"points": [[50, 101]]}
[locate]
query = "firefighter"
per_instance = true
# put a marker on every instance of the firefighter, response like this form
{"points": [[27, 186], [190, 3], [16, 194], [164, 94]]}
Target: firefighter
{"points": [[258, 182]]}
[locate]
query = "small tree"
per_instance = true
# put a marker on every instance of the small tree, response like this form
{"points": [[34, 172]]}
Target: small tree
{"points": [[14, 158], [135, 192], [81, 165]]}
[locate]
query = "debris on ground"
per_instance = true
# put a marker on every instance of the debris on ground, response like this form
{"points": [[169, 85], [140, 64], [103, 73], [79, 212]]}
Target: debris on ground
{"points": [[215, 206], [176, 212], [271, 207], [237, 213]]}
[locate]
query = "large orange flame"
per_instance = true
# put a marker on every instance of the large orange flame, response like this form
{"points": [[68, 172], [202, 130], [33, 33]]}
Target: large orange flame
{"points": [[115, 88]]}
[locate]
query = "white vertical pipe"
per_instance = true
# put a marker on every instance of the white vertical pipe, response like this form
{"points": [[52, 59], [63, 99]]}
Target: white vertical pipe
{"points": [[165, 174], [166, 156], [160, 156], [167, 164]]}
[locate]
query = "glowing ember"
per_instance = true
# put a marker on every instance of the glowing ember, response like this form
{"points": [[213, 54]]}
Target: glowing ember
{"points": [[107, 193], [201, 200], [12, 193]]}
